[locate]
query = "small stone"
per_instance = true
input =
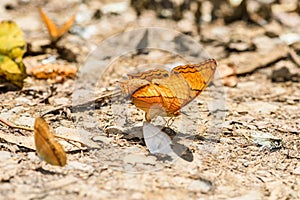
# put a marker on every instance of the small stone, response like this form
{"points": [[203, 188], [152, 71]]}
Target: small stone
{"points": [[101, 138], [281, 75], [17, 109], [297, 171], [32, 156], [203, 186], [4, 155], [139, 158], [61, 101], [114, 131], [23, 100], [79, 166], [25, 121], [290, 38], [118, 7]]}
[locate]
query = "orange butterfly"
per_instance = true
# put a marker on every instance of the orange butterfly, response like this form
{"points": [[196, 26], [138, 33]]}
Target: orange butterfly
{"points": [[46, 146], [160, 93], [55, 32]]}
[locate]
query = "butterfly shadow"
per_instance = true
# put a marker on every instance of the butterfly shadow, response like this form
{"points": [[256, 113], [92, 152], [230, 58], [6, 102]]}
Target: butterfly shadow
{"points": [[162, 142], [47, 172]]}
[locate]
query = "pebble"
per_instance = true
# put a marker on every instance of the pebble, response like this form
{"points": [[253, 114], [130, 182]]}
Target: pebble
{"points": [[257, 107], [84, 14], [290, 38], [24, 100], [139, 158], [101, 138], [114, 130], [4, 155], [17, 109], [297, 171], [200, 186], [118, 7], [25, 121], [32, 156], [79, 166], [61, 101]]}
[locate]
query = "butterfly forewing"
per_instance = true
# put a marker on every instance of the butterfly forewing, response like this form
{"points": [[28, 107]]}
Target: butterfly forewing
{"points": [[46, 146], [196, 75], [150, 75], [51, 26], [66, 26], [55, 32]]}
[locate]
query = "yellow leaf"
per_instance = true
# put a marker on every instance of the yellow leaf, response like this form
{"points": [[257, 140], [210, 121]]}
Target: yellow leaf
{"points": [[11, 71], [12, 49], [12, 43]]}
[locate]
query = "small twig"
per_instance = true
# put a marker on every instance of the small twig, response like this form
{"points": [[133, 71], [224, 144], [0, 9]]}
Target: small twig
{"points": [[71, 140], [50, 93], [294, 56], [11, 125]]}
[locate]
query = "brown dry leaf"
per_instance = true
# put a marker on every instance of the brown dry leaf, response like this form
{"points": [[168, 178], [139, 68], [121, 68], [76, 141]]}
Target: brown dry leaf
{"points": [[46, 146], [55, 32], [228, 74], [59, 72], [248, 62]]}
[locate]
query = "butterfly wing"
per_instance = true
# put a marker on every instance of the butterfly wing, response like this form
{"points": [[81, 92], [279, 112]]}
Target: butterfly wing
{"points": [[174, 92], [66, 26], [128, 87], [46, 146], [55, 32], [156, 140], [158, 93], [150, 75], [51, 26], [197, 76]]}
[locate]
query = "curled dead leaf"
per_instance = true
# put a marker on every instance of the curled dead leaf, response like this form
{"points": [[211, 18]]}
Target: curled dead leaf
{"points": [[59, 72], [228, 74]]}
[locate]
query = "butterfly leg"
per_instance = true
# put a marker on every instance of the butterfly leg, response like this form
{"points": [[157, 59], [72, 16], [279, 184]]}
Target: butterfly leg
{"points": [[168, 124]]}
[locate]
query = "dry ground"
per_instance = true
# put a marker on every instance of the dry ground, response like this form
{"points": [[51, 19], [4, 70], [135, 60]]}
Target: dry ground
{"points": [[226, 156]]}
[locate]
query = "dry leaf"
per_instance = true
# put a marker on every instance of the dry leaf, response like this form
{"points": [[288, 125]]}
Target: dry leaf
{"points": [[53, 71], [12, 49], [46, 146], [228, 74]]}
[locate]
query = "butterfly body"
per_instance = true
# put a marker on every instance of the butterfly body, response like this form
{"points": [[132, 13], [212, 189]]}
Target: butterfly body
{"points": [[160, 93]]}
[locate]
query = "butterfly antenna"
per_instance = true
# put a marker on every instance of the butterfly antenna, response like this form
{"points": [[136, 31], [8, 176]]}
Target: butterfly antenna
{"points": [[184, 113]]}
